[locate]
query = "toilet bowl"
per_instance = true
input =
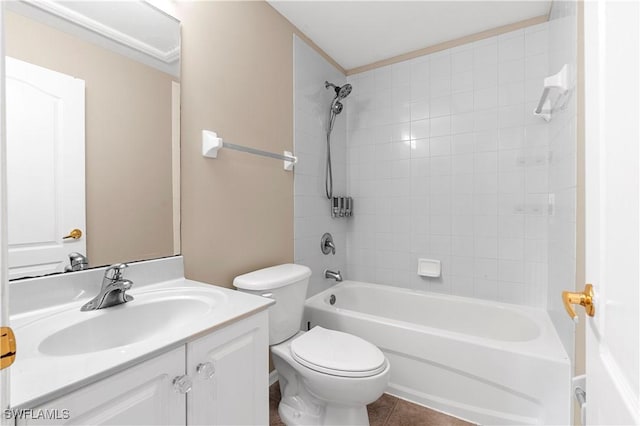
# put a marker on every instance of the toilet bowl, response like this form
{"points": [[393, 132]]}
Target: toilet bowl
{"points": [[324, 388], [327, 377]]}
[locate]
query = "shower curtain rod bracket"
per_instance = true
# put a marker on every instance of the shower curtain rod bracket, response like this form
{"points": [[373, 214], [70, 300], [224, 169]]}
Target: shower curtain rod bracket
{"points": [[558, 82]]}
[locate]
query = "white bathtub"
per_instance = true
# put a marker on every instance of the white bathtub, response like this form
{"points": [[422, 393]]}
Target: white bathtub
{"points": [[487, 362]]}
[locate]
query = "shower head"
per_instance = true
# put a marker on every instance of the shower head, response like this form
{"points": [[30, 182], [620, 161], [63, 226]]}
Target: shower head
{"points": [[336, 108], [344, 91], [341, 91]]}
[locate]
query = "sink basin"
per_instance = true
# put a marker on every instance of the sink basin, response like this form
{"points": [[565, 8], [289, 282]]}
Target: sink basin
{"points": [[62, 349], [124, 324]]}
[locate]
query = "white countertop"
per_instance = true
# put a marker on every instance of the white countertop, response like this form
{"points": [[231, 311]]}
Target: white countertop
{"points": [[37, 377]]}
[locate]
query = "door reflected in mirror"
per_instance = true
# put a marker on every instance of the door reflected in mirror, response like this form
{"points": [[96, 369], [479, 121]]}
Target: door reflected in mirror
{"points": [[92, 124]]}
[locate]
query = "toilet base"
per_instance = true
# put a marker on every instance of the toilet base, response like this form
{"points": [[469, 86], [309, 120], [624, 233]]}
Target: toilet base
{"points": [[333, 415], [291, 415], [297, 406], [346, 415]]}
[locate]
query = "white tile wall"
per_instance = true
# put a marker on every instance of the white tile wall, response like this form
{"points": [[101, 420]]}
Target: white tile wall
{"points": [[446, 161], [562, 173], [311, 208]]}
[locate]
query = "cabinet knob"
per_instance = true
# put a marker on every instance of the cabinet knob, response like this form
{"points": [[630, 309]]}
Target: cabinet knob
{"points": [[182, 384], [206, 370]]}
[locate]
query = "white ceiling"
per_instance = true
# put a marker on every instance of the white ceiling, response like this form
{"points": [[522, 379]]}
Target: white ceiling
{"points": [[137, 29], [356, 33], [136, 21]]}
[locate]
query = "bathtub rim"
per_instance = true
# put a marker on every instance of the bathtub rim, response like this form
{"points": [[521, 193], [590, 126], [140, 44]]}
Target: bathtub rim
{"points": [[546, 345]]}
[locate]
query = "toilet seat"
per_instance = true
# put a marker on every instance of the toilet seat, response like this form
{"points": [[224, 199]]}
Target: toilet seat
{"points": [[337, 353]]}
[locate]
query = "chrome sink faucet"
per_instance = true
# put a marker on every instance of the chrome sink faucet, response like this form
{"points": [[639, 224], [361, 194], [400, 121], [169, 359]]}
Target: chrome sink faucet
{"points": [[77, 262], [333, 275], [113, 289]]}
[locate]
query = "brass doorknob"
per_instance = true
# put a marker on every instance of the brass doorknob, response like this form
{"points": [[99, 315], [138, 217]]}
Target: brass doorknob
{"points": [[584, 298], [7, 347], [75, 234]]}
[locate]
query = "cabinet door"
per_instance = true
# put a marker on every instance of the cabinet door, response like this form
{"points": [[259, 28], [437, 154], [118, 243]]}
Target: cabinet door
{"points": [[230, 371], [141, 395]]}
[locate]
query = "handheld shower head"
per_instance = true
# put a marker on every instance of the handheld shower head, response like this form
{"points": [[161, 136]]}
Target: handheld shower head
{"points": [[335, 109]]}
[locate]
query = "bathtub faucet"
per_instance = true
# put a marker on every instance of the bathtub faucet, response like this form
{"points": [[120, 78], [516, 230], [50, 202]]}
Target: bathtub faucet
{"points": [[333, 275]]}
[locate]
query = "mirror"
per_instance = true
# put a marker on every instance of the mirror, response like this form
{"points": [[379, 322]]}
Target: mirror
{"points": [[92, 133]]}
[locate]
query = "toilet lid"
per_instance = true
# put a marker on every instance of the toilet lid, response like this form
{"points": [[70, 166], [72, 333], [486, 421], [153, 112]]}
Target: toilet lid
{"points": [[337, 353]]}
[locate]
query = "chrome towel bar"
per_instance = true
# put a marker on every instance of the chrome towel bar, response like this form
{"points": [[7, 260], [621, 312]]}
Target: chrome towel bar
{"points": [[211, 143]]}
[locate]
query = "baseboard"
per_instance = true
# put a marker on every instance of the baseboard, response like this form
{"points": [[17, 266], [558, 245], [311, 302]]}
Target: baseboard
{"points": [[273, 377]]}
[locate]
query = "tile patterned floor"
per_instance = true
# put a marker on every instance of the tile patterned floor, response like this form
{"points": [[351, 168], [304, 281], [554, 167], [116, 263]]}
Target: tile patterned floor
{"points": [[386, 411]]}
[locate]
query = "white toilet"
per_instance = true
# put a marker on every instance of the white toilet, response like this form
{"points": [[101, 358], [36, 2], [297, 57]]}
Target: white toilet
{"points": [[327, 377]]}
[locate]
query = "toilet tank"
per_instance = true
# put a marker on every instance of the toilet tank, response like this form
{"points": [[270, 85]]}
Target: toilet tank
{"points": [[287, 285]]}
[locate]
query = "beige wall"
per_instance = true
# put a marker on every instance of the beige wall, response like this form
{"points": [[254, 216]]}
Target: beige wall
{"points": [[128, 141], [237, 80]]}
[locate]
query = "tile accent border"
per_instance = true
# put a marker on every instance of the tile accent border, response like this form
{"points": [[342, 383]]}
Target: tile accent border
{"points": [[451, 43]]}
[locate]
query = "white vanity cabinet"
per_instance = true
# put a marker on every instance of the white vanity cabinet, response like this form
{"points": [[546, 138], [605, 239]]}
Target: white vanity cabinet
{"points": [[230, 375], [227, 370], [142, 394]]}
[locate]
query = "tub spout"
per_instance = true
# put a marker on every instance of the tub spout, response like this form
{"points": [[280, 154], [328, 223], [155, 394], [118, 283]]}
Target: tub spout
{"points": [[333, 275]]}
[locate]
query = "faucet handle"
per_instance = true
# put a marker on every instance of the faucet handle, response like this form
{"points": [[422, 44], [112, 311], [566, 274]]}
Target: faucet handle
{"points": [[126, 284], [117, 269], [326, 244]]}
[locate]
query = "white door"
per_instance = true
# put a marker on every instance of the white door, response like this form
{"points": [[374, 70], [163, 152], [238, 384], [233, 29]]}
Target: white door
{"points": [[612, 97], [45, 168], [4, 285]]}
